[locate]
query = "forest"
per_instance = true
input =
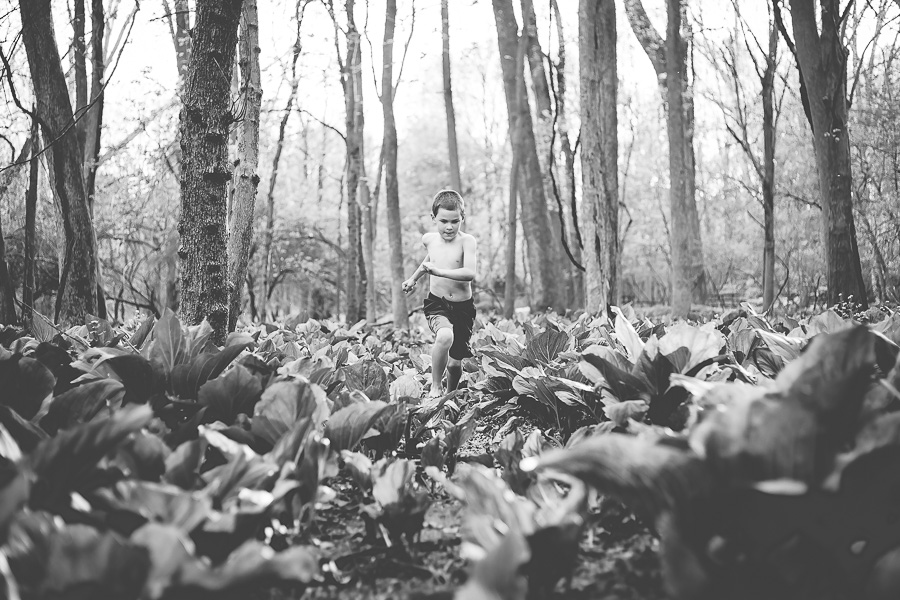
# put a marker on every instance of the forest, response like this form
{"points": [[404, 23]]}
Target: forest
{"points": [[684, 369]]}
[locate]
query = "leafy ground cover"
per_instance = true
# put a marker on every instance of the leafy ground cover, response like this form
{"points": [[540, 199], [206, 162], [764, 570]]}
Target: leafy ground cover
{"points": [[302, 460]]}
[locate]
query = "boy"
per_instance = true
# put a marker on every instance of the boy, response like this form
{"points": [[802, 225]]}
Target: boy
{"points": [[450, 259]]}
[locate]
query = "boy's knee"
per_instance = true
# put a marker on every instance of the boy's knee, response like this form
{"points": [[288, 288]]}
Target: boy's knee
{"points": [[444, 336]]}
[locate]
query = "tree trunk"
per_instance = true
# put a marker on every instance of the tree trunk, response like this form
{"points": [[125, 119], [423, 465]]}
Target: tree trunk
{"points": [[669, 60], [535, 218], [241, 230], [822, 58], [270, 195], [182, 38], [391, 187], [455, 178], [768, 182], [599, 151], [79, 64], [509, 293], [93, 120], [205, 172], [566, 182], [353, 274], [8, 313], [77, 295], [30, 221]]}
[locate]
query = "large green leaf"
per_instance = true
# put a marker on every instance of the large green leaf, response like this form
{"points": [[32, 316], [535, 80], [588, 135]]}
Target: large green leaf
{"points": [[51, 560], [61, 462], [82, 404], [368, 377], [231, 394], [187, 378], [622, 384], [137, 374], [346, 427], [26, 434], [700, 344], [546, 346], [161, 503], [169, 346], [183, 465], [25, 383], [284, 403]]}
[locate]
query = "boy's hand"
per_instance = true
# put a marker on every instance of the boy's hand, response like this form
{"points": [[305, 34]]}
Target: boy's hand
{"points": [[430, 268], [409, 285]]}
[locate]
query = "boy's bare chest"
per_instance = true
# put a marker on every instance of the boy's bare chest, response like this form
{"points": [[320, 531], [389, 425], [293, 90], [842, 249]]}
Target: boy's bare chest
{"points": [[446, 255]]}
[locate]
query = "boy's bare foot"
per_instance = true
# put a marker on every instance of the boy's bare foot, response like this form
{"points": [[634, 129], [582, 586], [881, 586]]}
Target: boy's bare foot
{"points": [[435, 392]]}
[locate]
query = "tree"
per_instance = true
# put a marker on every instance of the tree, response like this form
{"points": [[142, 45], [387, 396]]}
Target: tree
{"points": [[269, 232], [599, 150], [77, 292], [205, 172], [535, 218], [822, 61], [738, 125], [669, 59], [452, 148], [391, 186], [241, 229], [8, 313]]}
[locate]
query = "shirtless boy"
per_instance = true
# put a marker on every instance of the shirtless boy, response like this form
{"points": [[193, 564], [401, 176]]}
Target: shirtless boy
{"points": [[450, 259]]}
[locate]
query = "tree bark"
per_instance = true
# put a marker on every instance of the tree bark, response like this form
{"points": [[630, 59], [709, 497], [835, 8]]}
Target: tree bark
{"points": [[93, 119], [8, 314], [669, 61], [599, 150], [822, 58], [30, 221], [354, 274], [535, 217], [452, 148], [768, 179], [241, 229], [77, 294], [509, 293], [391, 187], [205, 119]]}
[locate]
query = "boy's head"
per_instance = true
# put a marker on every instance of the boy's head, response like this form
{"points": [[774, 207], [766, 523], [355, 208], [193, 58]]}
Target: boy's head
{"points": [[449, 200], [448, 211]]}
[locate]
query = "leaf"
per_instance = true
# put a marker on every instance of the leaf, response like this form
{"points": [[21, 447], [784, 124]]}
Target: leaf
{"points": [[186, 379], [26, 434], [25, 383], [638, 471], [390, 479], [197, 340], [137, 375], [360, 468], [622, 384], [346, 427], [367, 377], [162, 503], [243, 471], [42, 328], [100, 331], [254, 562], [627, 336], [183, 465], [787, 348], [460, 433], [81, 404], [284, 403], [622, 412], [545, 347], [231, 394], [407, 385], [169, 346], [61, 462], [826, 322], [288, 447], [701, 345], [140, 334], [142, 455]]}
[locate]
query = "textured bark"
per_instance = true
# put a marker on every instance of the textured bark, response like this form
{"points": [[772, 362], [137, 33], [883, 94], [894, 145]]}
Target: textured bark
{"points": [[205, 171], [509, 295], [241, 226], [566, 181], [8, 313], [768, 169], [546, 285], [822, 58], [354, 274], [77, 294], [93, 119], [391, 187], [30, 222], [269, 232], [599, 150], [79, 60], [452, 148], [670, 61], [182, 38]]}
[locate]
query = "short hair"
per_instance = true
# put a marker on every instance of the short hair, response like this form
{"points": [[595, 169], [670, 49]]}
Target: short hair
{"points": [[448, 200]]}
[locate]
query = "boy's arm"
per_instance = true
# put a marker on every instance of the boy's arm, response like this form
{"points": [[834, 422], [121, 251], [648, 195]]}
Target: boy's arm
{"points": [[410, 284], [464, 273]]}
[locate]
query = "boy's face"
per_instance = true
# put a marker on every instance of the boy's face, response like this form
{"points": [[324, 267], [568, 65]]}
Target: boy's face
{"points": [[447, 222]]}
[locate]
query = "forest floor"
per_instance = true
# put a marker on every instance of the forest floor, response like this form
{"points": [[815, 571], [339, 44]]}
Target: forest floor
{"points": [[617, 557]]}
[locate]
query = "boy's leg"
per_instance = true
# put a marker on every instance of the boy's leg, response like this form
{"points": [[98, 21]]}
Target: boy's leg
{"points": [[454, 373], [440, 354]]}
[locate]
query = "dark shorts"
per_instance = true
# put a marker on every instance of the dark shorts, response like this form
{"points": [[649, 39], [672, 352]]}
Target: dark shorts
{"points": [[458, 315]]}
